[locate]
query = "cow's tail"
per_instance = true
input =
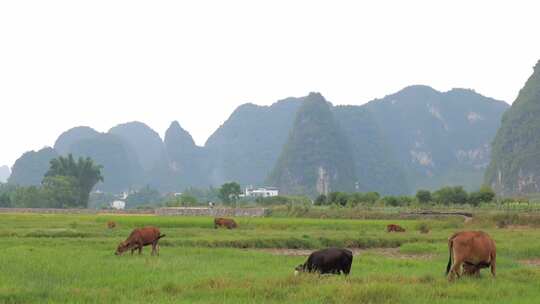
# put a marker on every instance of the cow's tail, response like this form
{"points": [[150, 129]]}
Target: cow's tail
{"points": [[450, 246], [160, 236]]}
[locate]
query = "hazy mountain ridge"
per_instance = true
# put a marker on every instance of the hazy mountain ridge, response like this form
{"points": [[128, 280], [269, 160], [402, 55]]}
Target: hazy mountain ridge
{"points": [[121, 169], [434, 133], [417, 137], [376, 166], [63, 143], [120, 160], [146, 142], [180, 164], [317, 157], [246, 147], [30, 168], [515, 165]]}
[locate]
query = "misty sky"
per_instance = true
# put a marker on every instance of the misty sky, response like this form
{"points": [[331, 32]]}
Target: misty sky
{"points": [[100, 63]]}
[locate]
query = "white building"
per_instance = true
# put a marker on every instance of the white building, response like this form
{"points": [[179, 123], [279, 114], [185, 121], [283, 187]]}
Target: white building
{"points": [[260, 192], [118, 205]]}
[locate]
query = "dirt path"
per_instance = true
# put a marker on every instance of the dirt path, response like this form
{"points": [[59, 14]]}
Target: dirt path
{"points": [[531, 262], [388, 252]]}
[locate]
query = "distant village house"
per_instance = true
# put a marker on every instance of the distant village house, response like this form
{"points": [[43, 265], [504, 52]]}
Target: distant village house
{"points": [[260, 192], [118, 205]]}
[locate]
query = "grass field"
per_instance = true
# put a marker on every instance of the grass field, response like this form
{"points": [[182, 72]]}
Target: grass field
{"points": [[69, 259]]}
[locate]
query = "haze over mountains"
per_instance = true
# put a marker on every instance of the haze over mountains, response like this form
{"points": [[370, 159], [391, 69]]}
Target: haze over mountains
{"points": [[4, 173], [415, 138]]}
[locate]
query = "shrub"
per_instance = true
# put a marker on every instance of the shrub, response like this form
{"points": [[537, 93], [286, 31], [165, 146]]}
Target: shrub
{"points": [[506, 219], [363, 198], [321, 200], [338, 198], [423, 227], [451, 195], [396, 201], [390, 201], [423, 196], [484, 195]]}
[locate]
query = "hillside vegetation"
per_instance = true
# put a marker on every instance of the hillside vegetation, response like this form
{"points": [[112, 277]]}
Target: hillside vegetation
{"points": [[515, 165], [327, 165]]}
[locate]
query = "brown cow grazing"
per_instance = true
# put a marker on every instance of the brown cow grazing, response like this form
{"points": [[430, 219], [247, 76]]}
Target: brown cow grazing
{"points": [[472, 249], [394, 228], [224, 222], [139, 238], [111, 224]]}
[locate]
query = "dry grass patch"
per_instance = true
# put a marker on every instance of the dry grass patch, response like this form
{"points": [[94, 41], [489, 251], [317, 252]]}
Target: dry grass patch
{"points": [[531, 262], [387, 252]]}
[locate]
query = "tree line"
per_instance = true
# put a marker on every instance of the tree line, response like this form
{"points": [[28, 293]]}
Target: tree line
{"points": [[448, 195], [68, 184]]}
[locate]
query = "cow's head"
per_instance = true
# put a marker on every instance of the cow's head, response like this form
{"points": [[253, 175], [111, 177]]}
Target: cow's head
{"points": [[299, 268], [122, 247]]}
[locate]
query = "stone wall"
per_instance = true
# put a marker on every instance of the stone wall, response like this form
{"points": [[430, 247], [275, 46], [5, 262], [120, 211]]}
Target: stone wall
{"points": [[216, 212], [180, 211], [73, 211]]}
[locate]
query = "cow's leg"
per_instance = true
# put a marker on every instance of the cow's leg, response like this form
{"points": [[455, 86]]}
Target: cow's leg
{"points": [[493, 262], [455, 270], [153, 248], [347, 269], [471, 270], [140, 245]]}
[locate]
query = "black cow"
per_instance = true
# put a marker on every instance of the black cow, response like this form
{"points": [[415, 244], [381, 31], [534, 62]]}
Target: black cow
{"points": [[330, 260]]}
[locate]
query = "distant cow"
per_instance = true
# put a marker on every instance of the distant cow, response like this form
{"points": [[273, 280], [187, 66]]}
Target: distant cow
{"points": [[111, 224], [472, 249], [224, 222], [394, 228], [330, 260], [139, 238]]}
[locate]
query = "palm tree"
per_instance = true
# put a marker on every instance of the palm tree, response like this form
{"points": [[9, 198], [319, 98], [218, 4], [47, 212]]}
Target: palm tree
{"points": [[84, 170]]}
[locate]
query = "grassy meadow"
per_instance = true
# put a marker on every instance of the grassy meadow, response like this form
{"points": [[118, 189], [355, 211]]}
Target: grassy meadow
{"points": [[70, 259]]}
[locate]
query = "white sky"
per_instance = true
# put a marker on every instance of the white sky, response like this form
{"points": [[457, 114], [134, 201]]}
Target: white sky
{"points": [[100, 63]]}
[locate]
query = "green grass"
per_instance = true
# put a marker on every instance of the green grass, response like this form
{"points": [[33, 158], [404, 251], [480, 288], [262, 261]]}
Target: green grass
{"points": [[69, 259]]}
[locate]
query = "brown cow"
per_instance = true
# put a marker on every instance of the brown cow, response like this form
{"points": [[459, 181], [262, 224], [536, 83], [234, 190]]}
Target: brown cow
{"points": [[224, 222], [394, 228], [139, 238], [111, 224], [472, 249]]}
